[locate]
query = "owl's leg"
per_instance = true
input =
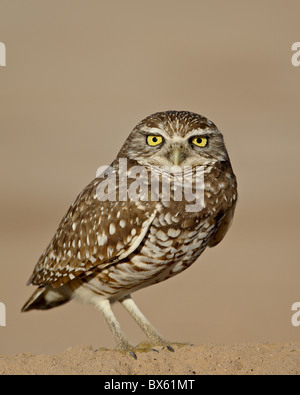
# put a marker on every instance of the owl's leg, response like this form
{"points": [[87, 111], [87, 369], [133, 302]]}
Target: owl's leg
{"points": [[122, 344], [152, 334]]}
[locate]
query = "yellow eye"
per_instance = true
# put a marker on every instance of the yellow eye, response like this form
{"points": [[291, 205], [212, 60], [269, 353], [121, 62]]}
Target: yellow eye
{"points": [[154, 140], [200, 141]]}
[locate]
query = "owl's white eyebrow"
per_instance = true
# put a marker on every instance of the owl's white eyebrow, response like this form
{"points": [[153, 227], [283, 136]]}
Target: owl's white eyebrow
{"points": [[155, 131], [199, 131]]}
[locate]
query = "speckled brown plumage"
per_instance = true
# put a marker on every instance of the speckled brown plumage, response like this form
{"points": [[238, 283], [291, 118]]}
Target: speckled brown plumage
{"points": [[105, 250]]}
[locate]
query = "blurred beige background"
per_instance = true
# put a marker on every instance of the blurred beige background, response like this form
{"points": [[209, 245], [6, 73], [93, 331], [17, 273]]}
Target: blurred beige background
{"points": [[79, 76]]}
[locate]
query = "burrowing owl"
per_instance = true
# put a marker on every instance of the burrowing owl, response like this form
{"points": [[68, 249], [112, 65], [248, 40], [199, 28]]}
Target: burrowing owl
{"points": [[122, 234]]}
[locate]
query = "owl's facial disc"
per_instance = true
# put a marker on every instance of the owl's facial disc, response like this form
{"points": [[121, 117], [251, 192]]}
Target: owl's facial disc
{"points": [[176, 150], [175, 139]]}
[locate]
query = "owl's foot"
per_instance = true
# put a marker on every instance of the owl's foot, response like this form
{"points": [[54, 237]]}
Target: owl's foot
{"points": [[146, 346], [128, 349]]}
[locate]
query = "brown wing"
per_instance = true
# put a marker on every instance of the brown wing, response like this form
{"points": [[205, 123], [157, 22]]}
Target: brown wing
{"points": [[92, 235], [222, 201], [222, 229]]}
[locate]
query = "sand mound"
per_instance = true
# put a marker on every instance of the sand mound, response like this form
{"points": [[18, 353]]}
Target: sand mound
{"points": [[193, 360]]}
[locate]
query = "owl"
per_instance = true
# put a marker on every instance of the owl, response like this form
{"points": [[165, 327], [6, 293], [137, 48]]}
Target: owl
{"points": [[135, 225]]}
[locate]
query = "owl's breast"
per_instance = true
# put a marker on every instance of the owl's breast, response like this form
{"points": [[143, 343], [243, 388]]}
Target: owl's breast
{"points": [[174, 241], [178, 235]]}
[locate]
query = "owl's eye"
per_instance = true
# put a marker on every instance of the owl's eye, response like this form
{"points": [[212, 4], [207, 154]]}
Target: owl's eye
{"points": [[200, 141], [153, 141]]}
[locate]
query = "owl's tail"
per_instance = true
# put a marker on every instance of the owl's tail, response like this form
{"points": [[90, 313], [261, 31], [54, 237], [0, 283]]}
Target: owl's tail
{"points": [[45, 298]]}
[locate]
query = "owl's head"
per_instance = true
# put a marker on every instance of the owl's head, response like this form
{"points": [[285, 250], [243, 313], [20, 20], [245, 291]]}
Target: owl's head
{"points": [[175, 138]]}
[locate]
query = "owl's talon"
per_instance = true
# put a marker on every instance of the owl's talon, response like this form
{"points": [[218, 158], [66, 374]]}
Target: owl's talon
{"points": [[170, 348], [133, 354]]}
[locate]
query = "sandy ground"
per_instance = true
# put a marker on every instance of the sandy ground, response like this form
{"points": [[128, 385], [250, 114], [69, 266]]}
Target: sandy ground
{"points": [[239, 359]]}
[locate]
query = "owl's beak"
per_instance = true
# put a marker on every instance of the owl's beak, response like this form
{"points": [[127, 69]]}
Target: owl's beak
{"points": [[177, 155]]}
